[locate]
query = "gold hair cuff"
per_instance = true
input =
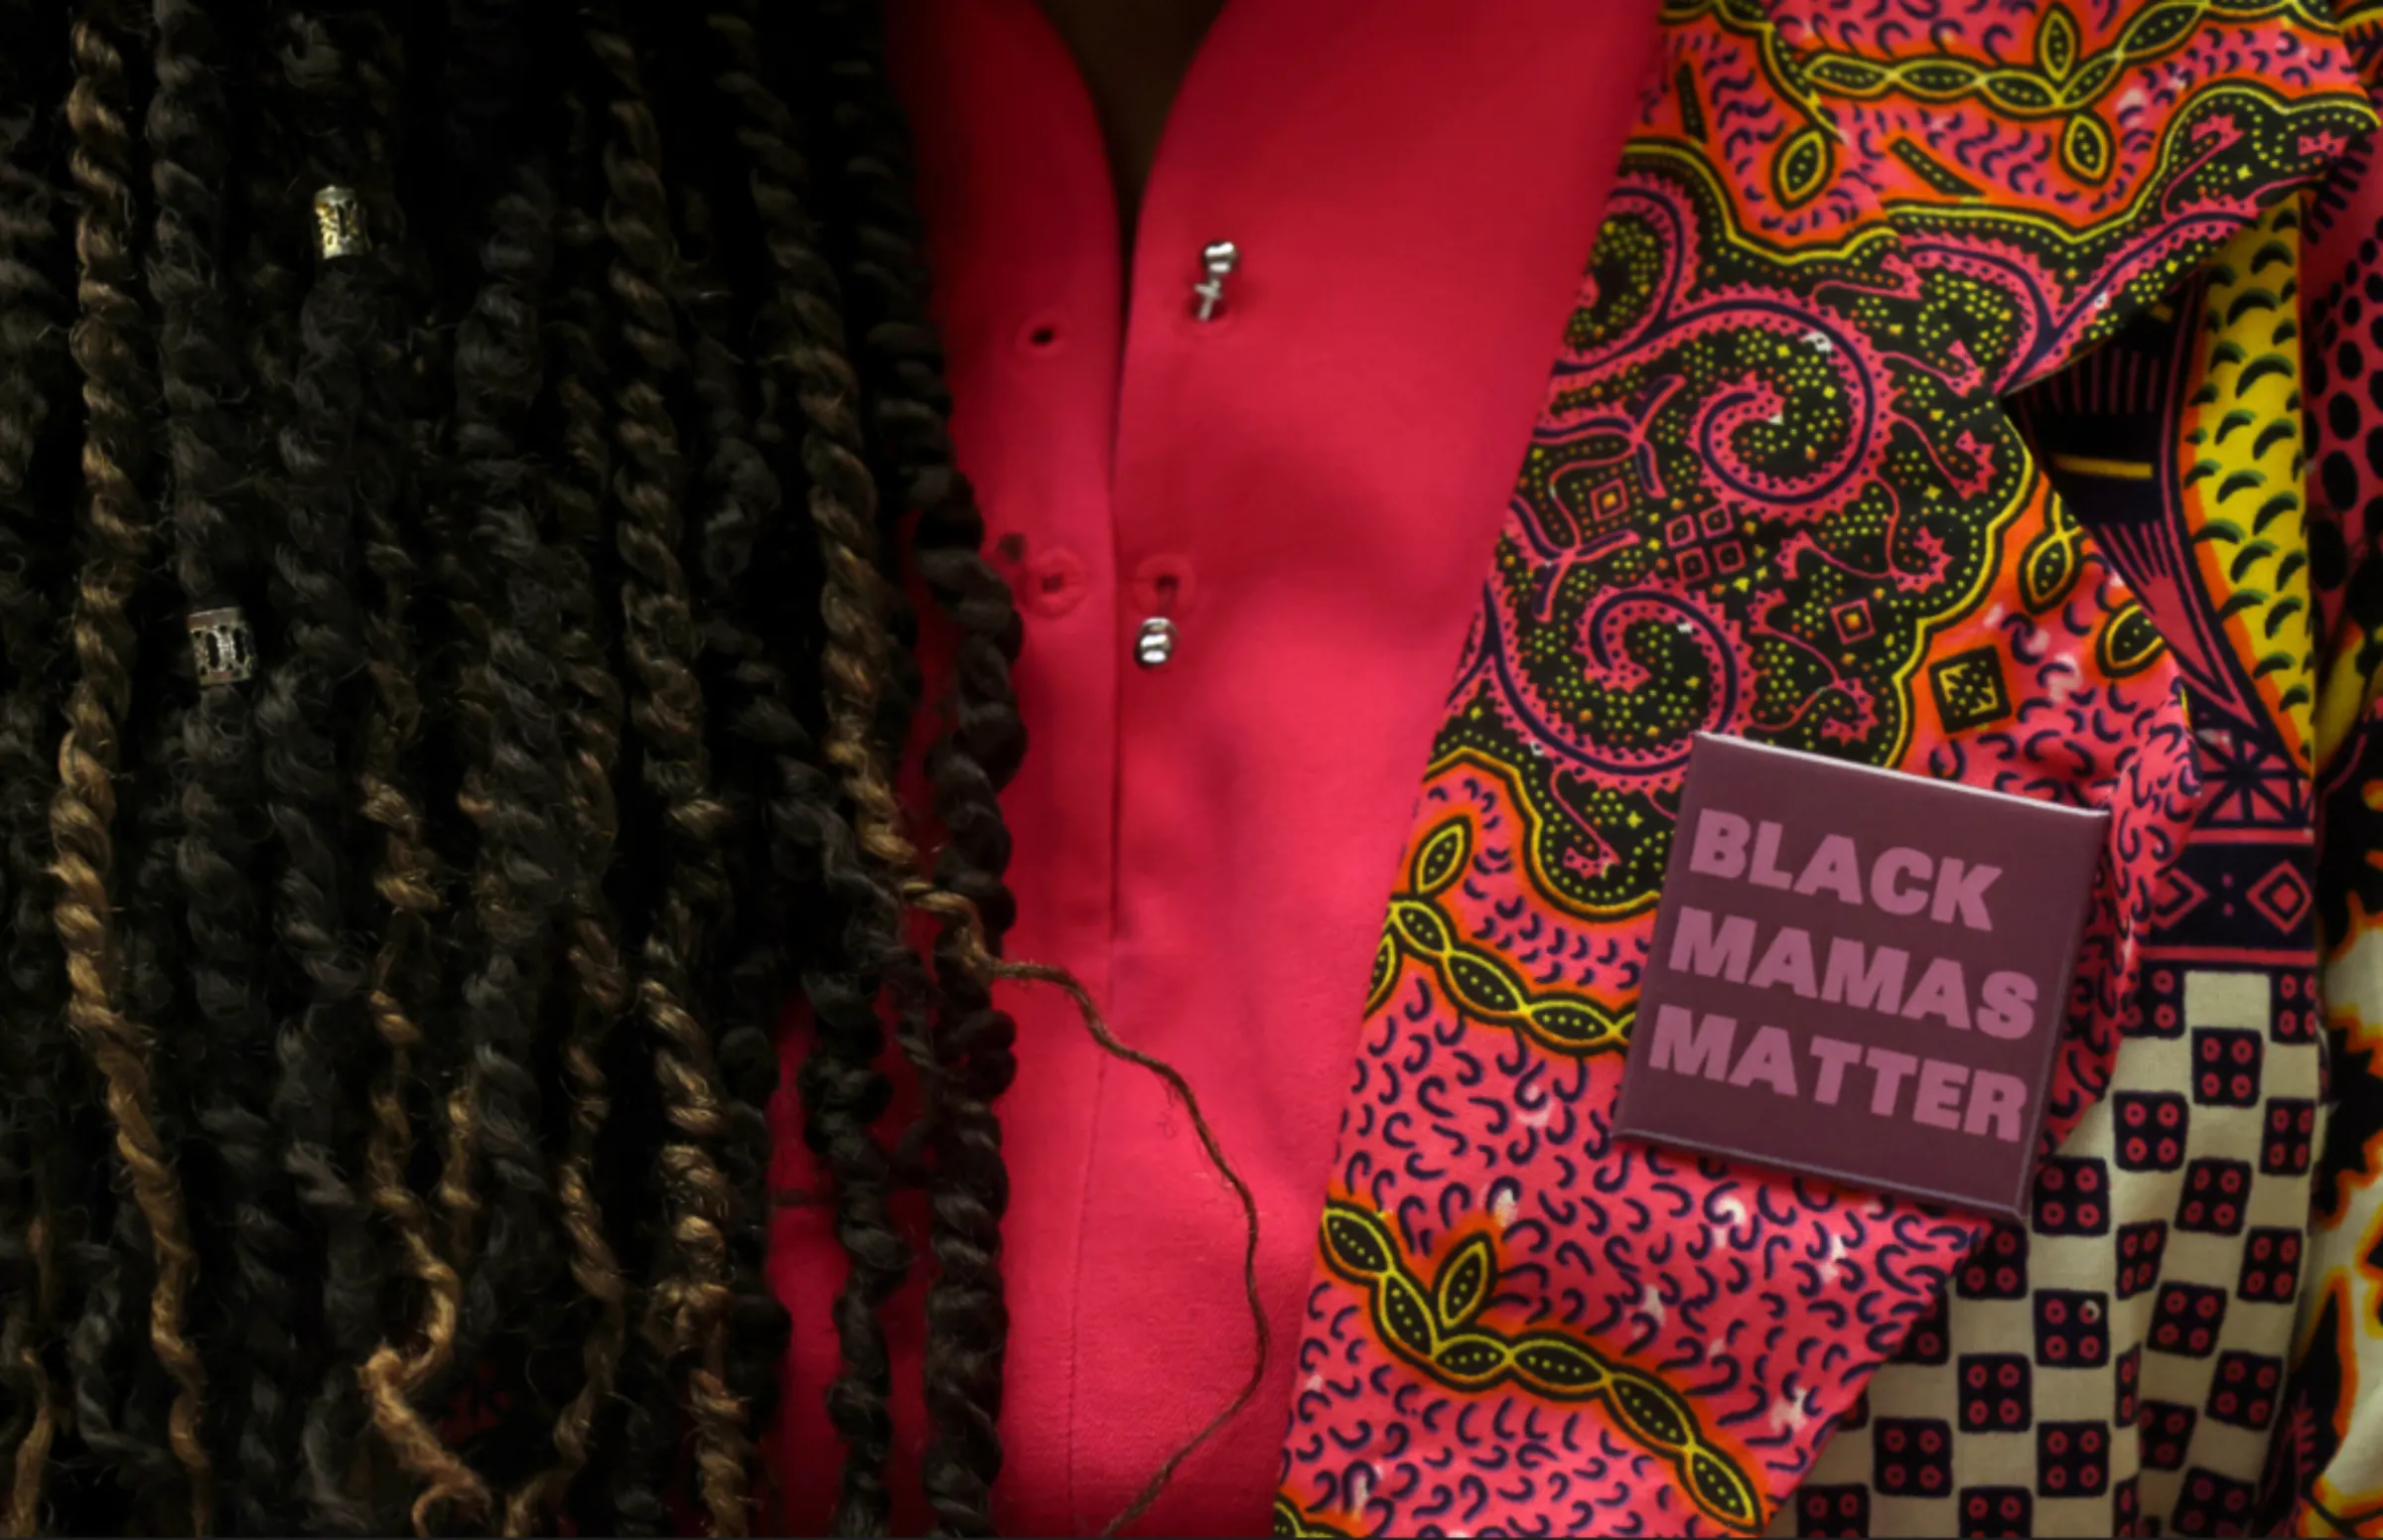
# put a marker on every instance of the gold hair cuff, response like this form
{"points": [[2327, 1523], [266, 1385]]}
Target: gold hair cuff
{"points": [[222, 646], [339, 224]]}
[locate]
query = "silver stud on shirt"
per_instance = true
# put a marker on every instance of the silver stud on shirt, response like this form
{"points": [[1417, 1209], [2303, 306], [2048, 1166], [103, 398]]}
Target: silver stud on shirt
{"points": [[222, 647], [1154, 645], [1218, 258]]}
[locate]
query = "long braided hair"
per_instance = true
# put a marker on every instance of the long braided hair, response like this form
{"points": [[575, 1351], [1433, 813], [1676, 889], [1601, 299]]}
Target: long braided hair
{"points": [[33, 1216], [110, 344], [464, 470], [213, 762]]}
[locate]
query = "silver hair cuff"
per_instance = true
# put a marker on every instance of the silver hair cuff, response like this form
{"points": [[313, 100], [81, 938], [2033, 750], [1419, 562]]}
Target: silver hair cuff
{"points": [[339, 224], [222, 646]]}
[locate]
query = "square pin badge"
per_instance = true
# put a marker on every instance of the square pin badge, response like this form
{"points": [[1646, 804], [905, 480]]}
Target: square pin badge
{"points": [[1860, 975]]}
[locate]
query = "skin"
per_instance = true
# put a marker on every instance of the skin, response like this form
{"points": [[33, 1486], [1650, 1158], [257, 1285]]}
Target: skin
{"points": [[1132, 54]]}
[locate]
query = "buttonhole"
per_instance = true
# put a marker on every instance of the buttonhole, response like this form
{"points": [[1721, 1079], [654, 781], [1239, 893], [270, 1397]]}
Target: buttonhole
{"points": [[1043, 335], [1012, 547]]}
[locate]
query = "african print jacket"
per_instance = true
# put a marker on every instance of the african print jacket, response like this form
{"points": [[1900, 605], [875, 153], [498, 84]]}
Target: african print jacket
{"points": [[1935, 399]]}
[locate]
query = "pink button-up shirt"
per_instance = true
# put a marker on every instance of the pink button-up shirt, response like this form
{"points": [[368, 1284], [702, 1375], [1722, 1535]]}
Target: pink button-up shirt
{"points": [[1308, 486]]}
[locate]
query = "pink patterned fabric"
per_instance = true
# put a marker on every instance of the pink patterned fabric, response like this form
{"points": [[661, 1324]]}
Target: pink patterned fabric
{"points": [[1774, 493]]}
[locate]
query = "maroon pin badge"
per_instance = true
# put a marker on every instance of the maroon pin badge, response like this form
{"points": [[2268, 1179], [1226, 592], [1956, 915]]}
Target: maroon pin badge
{"points": [[1860, 975]]}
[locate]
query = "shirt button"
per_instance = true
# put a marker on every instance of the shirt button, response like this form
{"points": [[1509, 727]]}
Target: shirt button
{"points": [[1154, 645]]}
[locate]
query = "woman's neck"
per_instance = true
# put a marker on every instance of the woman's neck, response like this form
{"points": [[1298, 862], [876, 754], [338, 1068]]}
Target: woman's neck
{"points": [[1132, 54]]}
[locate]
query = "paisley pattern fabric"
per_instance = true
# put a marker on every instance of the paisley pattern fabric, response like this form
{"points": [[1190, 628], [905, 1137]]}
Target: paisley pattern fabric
{"points": [[1780, 489]]}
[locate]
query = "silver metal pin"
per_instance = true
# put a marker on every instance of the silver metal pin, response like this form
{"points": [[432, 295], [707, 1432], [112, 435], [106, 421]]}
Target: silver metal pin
{"points": [[1154, 644], [1220, 258]]}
